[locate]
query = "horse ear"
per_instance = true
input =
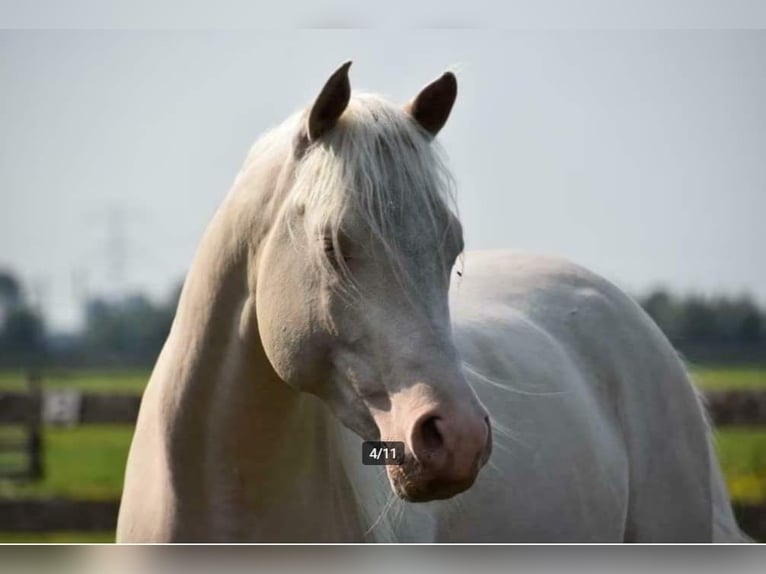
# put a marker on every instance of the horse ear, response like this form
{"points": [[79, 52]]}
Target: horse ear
{"points": [[330, 103], [432, 106]]}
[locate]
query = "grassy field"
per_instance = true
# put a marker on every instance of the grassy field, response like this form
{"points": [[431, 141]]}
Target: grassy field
{"points": [[92, 382], [84, 462], [87, 462], [56, 537], [742, 454], [716, 378]]}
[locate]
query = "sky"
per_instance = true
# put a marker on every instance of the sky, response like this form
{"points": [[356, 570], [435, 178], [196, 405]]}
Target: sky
{"points": [[640, 154]]}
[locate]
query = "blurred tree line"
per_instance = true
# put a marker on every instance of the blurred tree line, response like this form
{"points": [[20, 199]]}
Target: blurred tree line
{"points": [[710, 329], [700, 320], [130, 331], [125, 332], [22, 334]]}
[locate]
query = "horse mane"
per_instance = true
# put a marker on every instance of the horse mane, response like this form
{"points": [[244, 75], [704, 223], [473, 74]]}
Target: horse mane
{"points": [[377, 161]]}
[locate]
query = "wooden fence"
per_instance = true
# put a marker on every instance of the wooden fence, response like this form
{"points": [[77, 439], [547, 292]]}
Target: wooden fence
{"points": [[21, 456], [33, 409], [726, 408]]}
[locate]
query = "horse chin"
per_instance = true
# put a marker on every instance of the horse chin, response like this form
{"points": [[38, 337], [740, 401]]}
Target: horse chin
{"points": [[412, 485]]}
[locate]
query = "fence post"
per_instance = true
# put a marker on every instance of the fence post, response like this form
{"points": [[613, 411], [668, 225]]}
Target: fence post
{"points": [[34, 427]]}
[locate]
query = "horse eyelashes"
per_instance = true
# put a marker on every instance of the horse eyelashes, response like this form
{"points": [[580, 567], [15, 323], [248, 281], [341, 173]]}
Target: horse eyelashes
{"points": [[332, 253]]}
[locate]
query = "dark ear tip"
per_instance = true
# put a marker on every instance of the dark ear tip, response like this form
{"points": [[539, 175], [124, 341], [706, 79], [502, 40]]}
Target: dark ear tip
{"points": [[449, 80], [343, 69]]}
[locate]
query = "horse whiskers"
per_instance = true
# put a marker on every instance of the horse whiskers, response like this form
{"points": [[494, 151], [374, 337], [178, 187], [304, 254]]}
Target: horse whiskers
{"points": [[457, 504], [500, 430], [399, 508], [505, 448], [390, 504], [392, 498], [492, 466], [481, 378]]}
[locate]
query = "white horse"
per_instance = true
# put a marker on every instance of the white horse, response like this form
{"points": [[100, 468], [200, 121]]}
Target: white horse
{"points": [[317, 314]]}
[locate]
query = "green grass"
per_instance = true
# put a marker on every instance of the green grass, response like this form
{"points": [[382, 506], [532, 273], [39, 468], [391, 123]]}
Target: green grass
{"points": [[90, 381], [742, 454], [56, 537], [715, 378], [85, 462]]}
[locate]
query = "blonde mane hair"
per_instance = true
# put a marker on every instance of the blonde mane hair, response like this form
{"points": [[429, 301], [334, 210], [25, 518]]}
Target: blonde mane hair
{"points": [[379, 163]]}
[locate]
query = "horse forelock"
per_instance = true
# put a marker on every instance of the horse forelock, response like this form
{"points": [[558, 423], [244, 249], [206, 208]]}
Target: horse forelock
{"points": [[377, 162]]}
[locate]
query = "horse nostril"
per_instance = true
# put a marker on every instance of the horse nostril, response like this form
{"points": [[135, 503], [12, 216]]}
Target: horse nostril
{"points": [[430, 437], [450, 447], [428, 441]]}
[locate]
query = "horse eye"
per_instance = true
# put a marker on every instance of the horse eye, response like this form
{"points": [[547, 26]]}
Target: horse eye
{"points": [[329, 249]]}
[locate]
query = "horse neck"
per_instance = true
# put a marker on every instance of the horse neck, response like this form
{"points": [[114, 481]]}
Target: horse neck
{"points": [[245, 450]]}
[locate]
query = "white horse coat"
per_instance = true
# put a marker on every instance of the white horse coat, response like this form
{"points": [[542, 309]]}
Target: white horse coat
{"points": [[598, 435]]}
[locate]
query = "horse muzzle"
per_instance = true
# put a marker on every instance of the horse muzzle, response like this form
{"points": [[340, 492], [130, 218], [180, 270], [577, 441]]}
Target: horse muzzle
{"points": [[444, 454]]}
